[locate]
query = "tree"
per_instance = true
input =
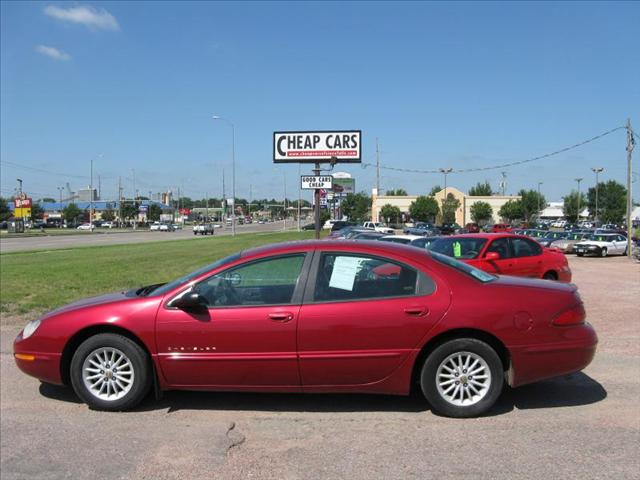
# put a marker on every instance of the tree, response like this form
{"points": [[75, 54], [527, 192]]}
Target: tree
{"points": [[435, 190], [324, 216], [424, 209], [70, 213], [154, 212], [449, 207], [510, 211], [37, 212], [612, 202], [5, 213], [129, 210], [399, 192], [530, 200], [570, 207], [481, 190], [481, 212], [108, 215], [390, 213], [357, 207], [48, 200]]}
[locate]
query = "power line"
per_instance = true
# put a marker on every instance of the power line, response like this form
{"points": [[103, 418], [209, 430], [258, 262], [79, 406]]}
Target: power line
{"points": [[504, 165]]}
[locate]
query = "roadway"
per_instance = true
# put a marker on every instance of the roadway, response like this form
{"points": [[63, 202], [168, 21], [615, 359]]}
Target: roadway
{"points": [[85, 239]]}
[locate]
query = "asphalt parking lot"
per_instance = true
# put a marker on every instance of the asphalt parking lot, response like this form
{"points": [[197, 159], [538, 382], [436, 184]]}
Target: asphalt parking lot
{"points": [[586, 425]]}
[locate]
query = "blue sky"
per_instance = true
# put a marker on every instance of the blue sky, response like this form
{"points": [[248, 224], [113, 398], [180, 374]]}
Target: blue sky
{"points": [[441, 84]]}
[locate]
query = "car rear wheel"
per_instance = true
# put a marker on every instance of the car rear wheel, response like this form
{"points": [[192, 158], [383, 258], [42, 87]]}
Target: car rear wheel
{"points": [[110, 372], [462, 378], [603, 252], [550, 276]]}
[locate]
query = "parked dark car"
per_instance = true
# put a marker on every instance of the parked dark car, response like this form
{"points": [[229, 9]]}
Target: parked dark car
{"points": [[340, 224], [449, 228]]}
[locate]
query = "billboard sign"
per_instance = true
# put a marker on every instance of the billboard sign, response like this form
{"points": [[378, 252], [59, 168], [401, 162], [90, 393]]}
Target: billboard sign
{"points": [[317, 146], [344, 186], [311, 182], [22, 206]]}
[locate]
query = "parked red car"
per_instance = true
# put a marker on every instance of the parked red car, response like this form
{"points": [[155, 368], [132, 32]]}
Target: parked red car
{"points": [[506, 254], [501, 228], [316, 316]]}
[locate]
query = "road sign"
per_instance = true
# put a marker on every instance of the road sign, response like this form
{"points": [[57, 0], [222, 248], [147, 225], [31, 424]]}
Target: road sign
{"points": [[311, 182], [344, 146]]}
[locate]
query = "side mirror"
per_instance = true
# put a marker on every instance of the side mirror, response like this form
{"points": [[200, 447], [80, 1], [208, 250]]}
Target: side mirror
{"points": [[190, 301], [491, 256]]}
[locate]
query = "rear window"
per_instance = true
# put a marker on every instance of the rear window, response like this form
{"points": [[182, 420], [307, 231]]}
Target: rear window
{"points": [[474, 272]]}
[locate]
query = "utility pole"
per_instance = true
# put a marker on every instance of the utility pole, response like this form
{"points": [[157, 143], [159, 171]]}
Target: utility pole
{"points": [[630, 145], [597, 171], [19, 185], [503, 183], [446, 172], [578, 180], [120, 201], [60, 189], [284, 202], [299, 195], [206, 207], [91, 200], [135, 203], [250, 199], [377, 168]]}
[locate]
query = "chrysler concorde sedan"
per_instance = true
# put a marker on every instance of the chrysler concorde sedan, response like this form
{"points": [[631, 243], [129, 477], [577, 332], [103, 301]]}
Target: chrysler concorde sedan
{"points": [[505, 254], [316, 316]]}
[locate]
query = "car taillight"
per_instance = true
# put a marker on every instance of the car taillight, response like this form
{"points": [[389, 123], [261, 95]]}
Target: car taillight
{"points": [[574, 316]]}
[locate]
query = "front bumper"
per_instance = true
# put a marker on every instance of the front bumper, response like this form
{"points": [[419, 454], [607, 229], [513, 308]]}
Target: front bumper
{"points": [[532, 363], [44, 366]]}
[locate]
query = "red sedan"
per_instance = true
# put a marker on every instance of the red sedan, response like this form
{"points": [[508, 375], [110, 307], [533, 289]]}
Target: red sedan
{"points": [[506, 254], [314, 317]]}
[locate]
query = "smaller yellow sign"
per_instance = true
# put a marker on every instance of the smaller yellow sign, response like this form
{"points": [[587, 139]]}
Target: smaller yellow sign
{"points": [[22, 212]]}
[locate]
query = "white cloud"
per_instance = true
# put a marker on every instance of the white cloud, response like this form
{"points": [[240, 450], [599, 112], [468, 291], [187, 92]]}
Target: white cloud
{"points": [[91, 17], [52, 52]]}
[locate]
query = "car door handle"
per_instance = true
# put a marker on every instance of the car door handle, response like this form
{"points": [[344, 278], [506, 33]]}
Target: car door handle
{"points": [[281, 316], [416, 311]]}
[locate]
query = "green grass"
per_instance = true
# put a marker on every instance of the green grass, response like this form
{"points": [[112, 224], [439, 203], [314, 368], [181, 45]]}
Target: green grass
{"points": [[34, 282]]}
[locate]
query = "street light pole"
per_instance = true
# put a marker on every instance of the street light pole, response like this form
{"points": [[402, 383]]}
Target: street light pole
{"points": [[578, 180], [539, 183], [233, 172], [597, 171]]}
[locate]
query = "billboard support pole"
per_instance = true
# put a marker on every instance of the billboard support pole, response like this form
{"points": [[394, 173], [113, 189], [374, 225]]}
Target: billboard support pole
{"points": [[316, 196]]}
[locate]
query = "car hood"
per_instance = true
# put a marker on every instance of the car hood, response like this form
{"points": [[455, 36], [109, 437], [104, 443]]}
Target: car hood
{"points": [[534, 283], [89, 302], [594, 242]]}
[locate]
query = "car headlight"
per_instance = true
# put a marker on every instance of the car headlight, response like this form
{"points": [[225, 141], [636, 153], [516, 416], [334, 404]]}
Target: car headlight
{"points": [[592, 247], [31, 327]]}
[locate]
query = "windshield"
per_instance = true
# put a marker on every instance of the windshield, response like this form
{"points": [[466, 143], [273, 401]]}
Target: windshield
{"points": [[555, 235], [600, 238], [474, 272], [459, 247], [187, 278]]}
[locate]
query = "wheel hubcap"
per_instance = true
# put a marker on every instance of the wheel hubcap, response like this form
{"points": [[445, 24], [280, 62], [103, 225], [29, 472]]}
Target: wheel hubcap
{"points": [[108, 373], [463, 379]]}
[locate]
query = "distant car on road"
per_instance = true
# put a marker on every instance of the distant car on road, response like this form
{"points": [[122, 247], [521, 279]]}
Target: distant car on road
{"points": [[350, 317], [203, 229], [602, 244], [308, 226], [155, 227], [505, 254], [86, 226], [108, 225]]}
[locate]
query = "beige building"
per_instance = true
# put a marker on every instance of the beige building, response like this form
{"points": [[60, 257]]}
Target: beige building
{"points": [[463, 213]]}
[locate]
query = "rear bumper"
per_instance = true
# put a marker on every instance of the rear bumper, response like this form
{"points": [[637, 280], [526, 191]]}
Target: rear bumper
{"points": [[532, 363]]}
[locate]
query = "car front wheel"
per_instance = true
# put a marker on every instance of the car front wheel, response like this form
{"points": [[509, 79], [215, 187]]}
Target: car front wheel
{"points": [[603, 252], [110, 372], [462, 378]]}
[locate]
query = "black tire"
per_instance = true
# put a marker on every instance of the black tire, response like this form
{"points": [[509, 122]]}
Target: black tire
{"points": [[142, 371], [550, 276], [603, 252], [580, 254], [428, 378]]}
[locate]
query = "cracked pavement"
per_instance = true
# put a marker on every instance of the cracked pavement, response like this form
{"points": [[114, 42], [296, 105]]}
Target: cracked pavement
{"points": [[583, 426]]}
